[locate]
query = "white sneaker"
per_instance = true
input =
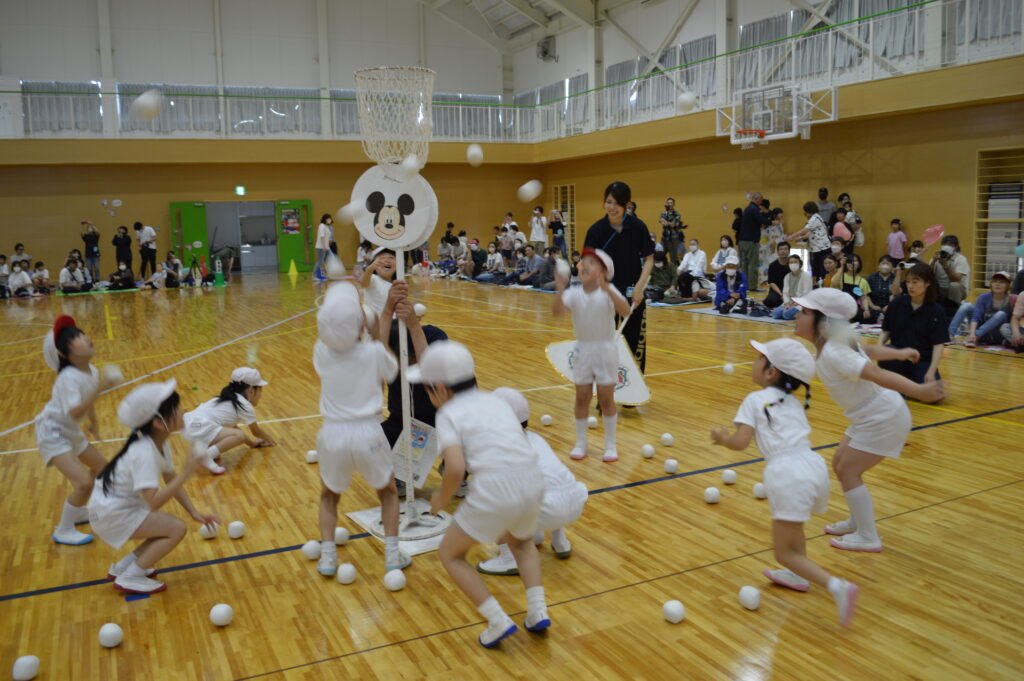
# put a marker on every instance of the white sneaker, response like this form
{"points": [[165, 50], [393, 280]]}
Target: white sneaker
{"points": [[788, 579], [537, 622], [328, 564], [213, 466], [71, 537], [578, 453], [500, 565], [855, 542], [610, 456], [400, 561], [846, 601], [538, 538], [560, 545], [493, 635], [842, 527], [113, 572], [138, 585]]}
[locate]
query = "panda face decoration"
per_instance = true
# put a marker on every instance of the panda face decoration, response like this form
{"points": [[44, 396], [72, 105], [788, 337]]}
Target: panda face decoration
{"points": [[389, 221]]}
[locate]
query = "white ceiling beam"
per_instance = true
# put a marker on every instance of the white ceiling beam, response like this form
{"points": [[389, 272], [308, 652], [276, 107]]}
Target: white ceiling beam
{"points": [[882, 61], [672, 32], [470, 21], [528, 11], [558, 25], [583, 12], [651, 57]]}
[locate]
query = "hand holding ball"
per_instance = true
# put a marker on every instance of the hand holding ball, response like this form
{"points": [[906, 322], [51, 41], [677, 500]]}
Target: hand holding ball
{"points": [[208, 531], [222, 614], [111, 635], [673, 611], [563, 270]]}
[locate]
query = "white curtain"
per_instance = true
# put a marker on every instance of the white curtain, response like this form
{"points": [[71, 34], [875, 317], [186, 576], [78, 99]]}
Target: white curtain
{"points": [[186, 108], [462, 116], [989, 19], [53, 106], [524, 121], [700, 77], [271, 111], [346, 112]]}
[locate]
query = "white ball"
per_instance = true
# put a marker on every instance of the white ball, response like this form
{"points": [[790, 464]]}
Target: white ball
{"points": [[208, 531], [312, 456], [26, 668], [529, 191], [671, 466], [750, 598], [346, 573], [474, 155], [546, 420], [147, 105], [394, 580], [420, 309], [112, 374], [236, 529], [647, 451], [222, 614], [335, 268], [759, 491], [592, 422], [729, 476], [563, 269], [410, 167], [729, 369], [311, 549], [111, 635], [340, 536], [667, 439], [673, 611], [347, 214], [686, 102], [712, 495]]}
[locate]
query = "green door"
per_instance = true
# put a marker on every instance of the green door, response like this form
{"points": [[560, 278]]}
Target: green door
{"points": [[296, 235], [188, 228]]}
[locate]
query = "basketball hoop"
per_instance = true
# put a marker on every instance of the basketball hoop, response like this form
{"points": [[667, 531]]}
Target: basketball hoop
{"points": [[394, 105], [746, 138]]}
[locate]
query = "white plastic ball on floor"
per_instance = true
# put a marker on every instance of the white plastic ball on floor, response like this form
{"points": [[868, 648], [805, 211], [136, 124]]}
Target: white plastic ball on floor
{"points": [[686, 102], [759, 491], [671, 466], [394, 580], [647, 451], [750, 598], [208, 531], [222, 614], [667, 439], [712, 495], [673, 611], [340, 536], [346, 573], [312, 456], [347, 214], [729, 369], [474, 155], [529, 191], [112, 374], [147, 106], [111, 635], [236, 529], [592, 422], [546, 420], [729, 476], [25, 668], [409, 167], [311, 549], [419, 309]]}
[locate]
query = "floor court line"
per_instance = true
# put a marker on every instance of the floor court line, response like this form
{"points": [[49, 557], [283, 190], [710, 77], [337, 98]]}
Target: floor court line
{"points": [[593, 492]]}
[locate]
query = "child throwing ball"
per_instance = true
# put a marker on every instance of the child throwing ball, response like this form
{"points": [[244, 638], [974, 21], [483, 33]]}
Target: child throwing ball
{"points": [[795, 478], [593, 305]]}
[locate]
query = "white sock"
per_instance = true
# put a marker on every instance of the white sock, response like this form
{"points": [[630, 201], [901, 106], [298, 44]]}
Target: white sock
{"points": [[581, 434], [609, 431], [133, 571], [834, 586], [390, 548], [863, 511], [328, 547], [123, 564], [214, 452], [505, 552], [68, 516], [535, 603], [491, 609]]}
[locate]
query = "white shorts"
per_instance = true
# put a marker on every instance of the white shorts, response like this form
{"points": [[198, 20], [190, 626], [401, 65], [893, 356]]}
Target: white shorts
{"points": [[797, 486], [501, 502], [884, 428], [115, 520], [345, 448], [200, 432], [56, 439], [561, 506], [596, 362]]}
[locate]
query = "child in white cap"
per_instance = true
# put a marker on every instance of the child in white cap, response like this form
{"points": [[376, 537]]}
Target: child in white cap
{"points": [[377, 277], [127, 499], [596, 359], [62, 444], [479, 433], [212, 427], [564, 496], [795, 478], [870, 399], [352, 373]]}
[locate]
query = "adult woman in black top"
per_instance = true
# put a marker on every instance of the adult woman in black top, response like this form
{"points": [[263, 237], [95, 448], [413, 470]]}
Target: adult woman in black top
{"points": [[916, 322], [91, 239], [557, 226], [123, 245], [626, 239]]}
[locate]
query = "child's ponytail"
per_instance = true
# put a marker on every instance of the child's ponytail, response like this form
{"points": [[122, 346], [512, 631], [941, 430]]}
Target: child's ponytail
{"points": [[231, 392], [788, 384]]}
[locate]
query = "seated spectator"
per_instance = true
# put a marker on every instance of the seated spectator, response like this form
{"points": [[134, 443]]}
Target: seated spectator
{"points": [[493, 267], [475, 259], [19, 282], [916, 321], [546, 274], [727, 249], [158, 279], [731, 288], [122, 279], [882, 286], [72, 278], [574, 267], [797, 283], [663, 275], [173, 264], [987, 315], [952, 273], [1018, 283], [852, 283], [531, 276], [693, 282], [517, 271], [1013, 333], [831, 265], [41, 278], [21, 256], [446, 261], [778, 270], [5, 273]]}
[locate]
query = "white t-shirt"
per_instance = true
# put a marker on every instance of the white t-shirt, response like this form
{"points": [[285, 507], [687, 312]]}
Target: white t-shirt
{"points": [[70, 390], [788, 431], [719, 260], [138, 469], [351, 381], [839, 367], [539, 229], [486, 428], [224, 413], [19, 280], [818, 239], [520, 237], [158, 279], [43, 274], [147, 238], [593, 314], [555, 473], [376, 294], [694, 263], [494, 262], [324, 233], [68, 277]]}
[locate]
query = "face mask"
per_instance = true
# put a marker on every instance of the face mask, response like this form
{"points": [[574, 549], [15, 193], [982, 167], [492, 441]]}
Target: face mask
{"points": [[473, 247], [730, 273], [794, 267], [693, 248], [122, 267], [17, 269], [885, 269], [915, 253], [836, 249], [659, 265]]}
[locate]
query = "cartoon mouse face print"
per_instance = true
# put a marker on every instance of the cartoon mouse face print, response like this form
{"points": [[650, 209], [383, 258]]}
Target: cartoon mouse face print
{"points": [[388, 220]]}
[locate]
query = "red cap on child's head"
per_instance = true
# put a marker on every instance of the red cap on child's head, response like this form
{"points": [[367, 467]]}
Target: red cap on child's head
{"points": [[62, 322], [603, 258]]}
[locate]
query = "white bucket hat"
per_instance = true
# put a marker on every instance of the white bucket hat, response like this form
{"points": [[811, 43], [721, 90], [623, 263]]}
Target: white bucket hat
{"points": [[140, 405], [443, 363], [788, 356], [249, 376], [517, 401]]}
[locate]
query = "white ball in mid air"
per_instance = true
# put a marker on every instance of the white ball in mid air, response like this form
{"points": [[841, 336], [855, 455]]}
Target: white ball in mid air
{"points": [[647, 451], [529, 191], [148, 105], [222, 614], [347, 214], [111, 635], [750, 598], [394, 580], [671, 466], [686, 102], [673, 611], [236, 529], [335, 268], [729, 476], [712, 495], [475, 155], [410, 167], [112, 374], [311, 549]]}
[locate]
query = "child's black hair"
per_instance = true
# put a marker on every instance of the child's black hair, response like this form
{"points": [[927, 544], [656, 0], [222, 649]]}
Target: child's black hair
{"points": [[67, 335], [468, 384], [231, 393], [165, 411], [786, 384]]}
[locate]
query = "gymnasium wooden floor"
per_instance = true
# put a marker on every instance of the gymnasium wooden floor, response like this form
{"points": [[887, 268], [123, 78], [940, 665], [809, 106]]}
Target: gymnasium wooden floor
{"points": [[942, 602]]}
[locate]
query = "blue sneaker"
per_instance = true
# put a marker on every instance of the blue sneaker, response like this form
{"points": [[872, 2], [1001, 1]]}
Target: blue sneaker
{"points": [[540, 625], [71, 538], [493, 636]]}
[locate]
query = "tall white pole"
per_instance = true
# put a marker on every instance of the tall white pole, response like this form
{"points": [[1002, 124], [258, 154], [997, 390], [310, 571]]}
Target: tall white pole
{"points": [[403, 363]]}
